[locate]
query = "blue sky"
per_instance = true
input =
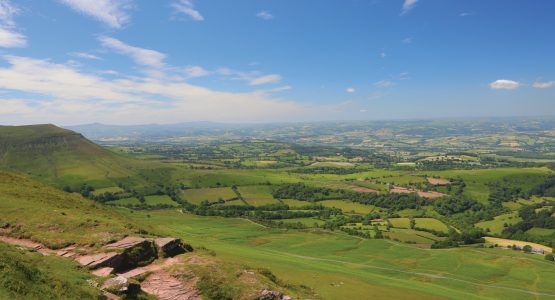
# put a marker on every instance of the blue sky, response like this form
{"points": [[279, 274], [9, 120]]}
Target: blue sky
{"points": [[167, 61]]}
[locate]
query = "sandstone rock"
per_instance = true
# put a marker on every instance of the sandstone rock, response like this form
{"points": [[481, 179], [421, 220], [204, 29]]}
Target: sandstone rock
{"points": [[166, 287], [116, 284], [103, 272], [171, 246], [126, 243], [111, 259], [266, 294]]}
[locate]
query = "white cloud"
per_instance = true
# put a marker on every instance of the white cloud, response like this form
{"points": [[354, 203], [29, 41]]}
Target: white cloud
{"points": [[186, 7], [265, 15], [350, 90], [13, 106], [543, 85], [407, 40], [7, 11], [408, 5], [504, 84], [85, 55], [272, 78], [62, 93], [141, 56], [465, 14], [112, 13], [383, 54], [384, 83], [196, 71], [9, 37]]}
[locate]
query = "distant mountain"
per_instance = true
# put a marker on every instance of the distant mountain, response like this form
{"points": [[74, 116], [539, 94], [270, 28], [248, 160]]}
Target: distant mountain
{"points": [[298, 132], [59, 156]]}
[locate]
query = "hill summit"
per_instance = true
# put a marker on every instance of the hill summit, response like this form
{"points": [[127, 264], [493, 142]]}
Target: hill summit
{"points": [[58, 155]]}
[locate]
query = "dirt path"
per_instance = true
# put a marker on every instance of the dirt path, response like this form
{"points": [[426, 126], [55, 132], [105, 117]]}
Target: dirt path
{"points": [[166, 287], [27, 244]]}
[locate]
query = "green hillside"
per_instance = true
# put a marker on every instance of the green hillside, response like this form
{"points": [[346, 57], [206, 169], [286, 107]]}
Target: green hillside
{"points": [[28, 275], [33, 210], [65, 158]]}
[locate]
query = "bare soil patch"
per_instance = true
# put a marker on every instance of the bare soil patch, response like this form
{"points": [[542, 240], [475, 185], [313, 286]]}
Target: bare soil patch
{"points": [[167, 287], [364, 190]]}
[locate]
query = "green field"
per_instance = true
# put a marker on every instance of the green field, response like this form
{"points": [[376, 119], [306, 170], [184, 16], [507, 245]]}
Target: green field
{"points": [[257, 195], [125, 201], [349, 207], [196, 196], [159, 199], [378, 268], [431, 224], [496, 225], [112, 189]]}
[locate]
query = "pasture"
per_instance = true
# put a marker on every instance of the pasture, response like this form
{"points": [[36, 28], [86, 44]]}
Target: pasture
{"points": [[196, 196], [338, 266]]}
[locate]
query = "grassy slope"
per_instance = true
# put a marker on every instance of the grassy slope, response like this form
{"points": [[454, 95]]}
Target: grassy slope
{"points": [[62, 157], [28, 275], [345, 267], [57, 218]]}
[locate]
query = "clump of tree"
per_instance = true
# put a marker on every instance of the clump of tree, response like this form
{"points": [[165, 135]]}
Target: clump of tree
{"points": [[456, 239]]}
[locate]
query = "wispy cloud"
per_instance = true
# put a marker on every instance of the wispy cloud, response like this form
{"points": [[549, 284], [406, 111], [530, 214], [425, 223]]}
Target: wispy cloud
{"points": [[141, 56], [408, 5], [62, 93], [112, 13], [85, 55], [384, 83], [504, 84], [187, 7], [407, 40], [9, 37], [350, 90], [466, 14], [383, 54], [265, 15], [196, 71], [266, 79], [543, 85]]}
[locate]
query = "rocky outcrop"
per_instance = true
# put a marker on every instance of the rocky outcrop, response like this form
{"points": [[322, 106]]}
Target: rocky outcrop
{"points": [[133, 252], [266, 294], [98, 260], [117, 284], [169, 247]]}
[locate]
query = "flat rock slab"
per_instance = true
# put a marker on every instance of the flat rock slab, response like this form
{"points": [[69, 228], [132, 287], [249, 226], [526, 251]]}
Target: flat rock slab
{"points": [[163, 242], [22, 243], [126, 243], [103, 272], [166, 287], [93, 260]]}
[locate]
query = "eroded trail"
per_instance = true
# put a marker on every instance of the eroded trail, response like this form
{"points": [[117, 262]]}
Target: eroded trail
{"points": [[160, 282], [167, 287]]}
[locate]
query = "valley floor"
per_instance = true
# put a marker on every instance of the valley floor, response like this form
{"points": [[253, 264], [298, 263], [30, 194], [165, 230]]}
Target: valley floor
{"points": [[338, 266]]}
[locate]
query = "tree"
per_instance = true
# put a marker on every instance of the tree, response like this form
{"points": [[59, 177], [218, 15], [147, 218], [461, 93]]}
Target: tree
{"points": [[549, 257], [412, 223], [527, 248]]}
